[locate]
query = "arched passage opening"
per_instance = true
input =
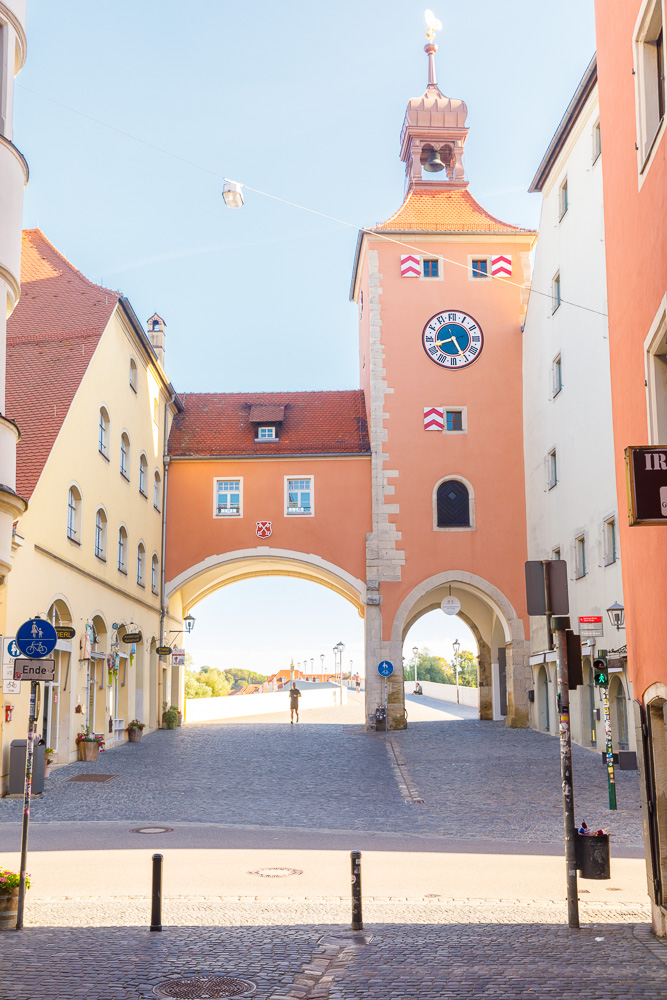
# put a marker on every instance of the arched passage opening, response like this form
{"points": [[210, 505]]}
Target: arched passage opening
{"points": [[261, 610], [447, 650], [503, 670]]}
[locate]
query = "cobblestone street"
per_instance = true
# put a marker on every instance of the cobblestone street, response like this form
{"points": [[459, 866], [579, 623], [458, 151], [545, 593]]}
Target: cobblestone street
{"points": [[261, 792]]}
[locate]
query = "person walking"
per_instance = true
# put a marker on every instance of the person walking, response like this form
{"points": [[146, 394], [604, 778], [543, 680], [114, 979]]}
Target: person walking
{"points": [[294, 696], [357, 681]]}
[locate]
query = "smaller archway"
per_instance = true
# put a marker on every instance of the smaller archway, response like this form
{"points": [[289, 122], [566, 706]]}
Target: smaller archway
{"points": [[55, 711], [543, 695], [587, 704], [95, 705], [618, 710]]}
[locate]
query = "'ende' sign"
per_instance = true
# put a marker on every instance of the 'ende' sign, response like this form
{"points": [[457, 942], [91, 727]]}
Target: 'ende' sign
{"points": [[646, 476], [34, 670]]}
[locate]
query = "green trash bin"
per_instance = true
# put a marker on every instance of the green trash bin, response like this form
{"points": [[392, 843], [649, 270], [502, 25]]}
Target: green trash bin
{"points": [[593, 856]]}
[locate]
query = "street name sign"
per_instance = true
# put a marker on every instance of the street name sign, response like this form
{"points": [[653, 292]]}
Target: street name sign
{"points": [[36, 638], [646, 479], [590, 626], [385, 668], [34, 670]]}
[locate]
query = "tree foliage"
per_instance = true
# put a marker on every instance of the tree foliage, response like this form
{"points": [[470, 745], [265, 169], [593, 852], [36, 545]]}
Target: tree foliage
{"points": [[209, 682], [441, 671]]}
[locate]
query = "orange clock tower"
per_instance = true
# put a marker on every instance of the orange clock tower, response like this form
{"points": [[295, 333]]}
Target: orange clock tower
{"points": [[442, 289]]}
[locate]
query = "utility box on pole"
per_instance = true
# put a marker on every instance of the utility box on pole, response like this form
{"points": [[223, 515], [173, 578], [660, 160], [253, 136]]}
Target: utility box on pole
{"points": [[546, 587]]}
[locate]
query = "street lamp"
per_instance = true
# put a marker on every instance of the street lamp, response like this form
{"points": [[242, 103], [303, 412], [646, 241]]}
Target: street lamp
{"points": [[338, 649], [322, 666], [456, 646], [189, 622], [616, 615], [312, 667], [415, 652], [232, 192]]}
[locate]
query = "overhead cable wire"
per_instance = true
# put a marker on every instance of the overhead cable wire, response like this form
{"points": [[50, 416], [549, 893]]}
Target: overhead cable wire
{"points": [[370, 231]]}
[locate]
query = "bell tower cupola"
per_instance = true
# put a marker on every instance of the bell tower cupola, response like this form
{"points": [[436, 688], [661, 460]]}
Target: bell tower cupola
{"points": [[434, 131]]}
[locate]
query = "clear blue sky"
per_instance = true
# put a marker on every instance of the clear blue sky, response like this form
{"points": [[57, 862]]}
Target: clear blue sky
{"points": [[304, 101]]}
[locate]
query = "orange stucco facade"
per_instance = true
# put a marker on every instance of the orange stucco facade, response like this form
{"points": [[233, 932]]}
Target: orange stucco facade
{"points": [[635, 199]]}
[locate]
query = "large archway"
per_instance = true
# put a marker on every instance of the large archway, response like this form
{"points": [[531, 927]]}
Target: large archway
{"points": [[498, 630]]}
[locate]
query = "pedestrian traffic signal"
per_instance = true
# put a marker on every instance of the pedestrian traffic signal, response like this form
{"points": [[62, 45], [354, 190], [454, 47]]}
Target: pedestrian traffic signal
{"points": [[601, 670]]}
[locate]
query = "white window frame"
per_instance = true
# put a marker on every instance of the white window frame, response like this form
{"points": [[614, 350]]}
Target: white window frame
{"points": [[141, 564], [475, 257], [580, 567], [157, 493], [104, 531], [463, 410], [123, 544], [552, 468], [610, 539], [143, 474], [273, 436], [649, 132], [155, 573], [227, 479], [557, 375], [655, 360], [597, 141], [556, 292], [103, 432], [563, 199], [299, 512], [125, 455], [134, 375], [74, 514]]}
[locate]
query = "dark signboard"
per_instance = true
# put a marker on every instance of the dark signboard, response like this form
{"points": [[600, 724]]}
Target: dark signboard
{"points": [[65, 632], [646, 476], [132, 637], [163, 650], [546, 587]]}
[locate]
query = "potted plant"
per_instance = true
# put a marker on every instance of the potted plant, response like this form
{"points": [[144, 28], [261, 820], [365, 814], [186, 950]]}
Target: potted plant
{"points": [[89, 744], [49, 754], [135, 730], [9, 891], [170, 718]]}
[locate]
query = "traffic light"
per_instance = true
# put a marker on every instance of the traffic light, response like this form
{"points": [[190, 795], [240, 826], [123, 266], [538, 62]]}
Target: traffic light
{"points": [[601, 669]]}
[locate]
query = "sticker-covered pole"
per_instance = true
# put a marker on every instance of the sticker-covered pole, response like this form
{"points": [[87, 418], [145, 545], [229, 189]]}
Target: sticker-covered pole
{"points": [[357, 921], [27, 791], [609, 758], [558, 627]]}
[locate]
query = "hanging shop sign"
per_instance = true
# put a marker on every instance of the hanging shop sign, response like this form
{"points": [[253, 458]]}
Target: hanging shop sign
{"points": [[131, 637], [646, 478], [65, 631], [178, 657], [163, 650]]}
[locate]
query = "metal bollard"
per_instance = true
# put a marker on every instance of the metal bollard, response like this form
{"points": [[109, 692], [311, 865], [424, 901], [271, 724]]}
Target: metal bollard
{"points": [[357, 922], [156, 907]]}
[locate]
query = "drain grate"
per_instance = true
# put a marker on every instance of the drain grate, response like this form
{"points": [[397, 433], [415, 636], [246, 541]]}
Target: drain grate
{"points": [[276, 872], [93, 777], [153, 829], [205, 988]]}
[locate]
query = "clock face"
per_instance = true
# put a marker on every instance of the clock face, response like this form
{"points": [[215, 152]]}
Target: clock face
{"points": [[453, 339]]}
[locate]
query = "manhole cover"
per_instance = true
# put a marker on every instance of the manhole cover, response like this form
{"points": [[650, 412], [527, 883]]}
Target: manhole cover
{"points": [[205, 988], [153, 829], [93, 777], [276, 872]]}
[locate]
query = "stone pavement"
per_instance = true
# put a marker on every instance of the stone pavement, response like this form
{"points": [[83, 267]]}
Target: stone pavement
{"points": [[478, 780]]}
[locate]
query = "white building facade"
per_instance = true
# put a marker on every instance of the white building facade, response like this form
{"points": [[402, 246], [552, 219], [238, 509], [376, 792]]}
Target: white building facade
{"points": [[571, 499]]}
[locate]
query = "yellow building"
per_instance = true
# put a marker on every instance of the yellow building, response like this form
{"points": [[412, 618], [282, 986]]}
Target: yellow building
{"points": [[87, 387]]}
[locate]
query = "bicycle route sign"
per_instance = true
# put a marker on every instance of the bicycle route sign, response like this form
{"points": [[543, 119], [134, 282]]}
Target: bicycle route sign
{"points": [[36, 638], [385, 669]]}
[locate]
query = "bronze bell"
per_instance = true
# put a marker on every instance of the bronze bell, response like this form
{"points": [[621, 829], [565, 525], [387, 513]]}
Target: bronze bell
{"points": [[434, 164]]}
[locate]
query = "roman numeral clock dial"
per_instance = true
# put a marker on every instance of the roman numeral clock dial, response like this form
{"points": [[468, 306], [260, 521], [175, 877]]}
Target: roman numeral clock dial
{"points": [[453, 339]]}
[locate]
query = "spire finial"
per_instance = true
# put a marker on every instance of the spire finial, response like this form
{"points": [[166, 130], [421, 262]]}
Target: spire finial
{"points": [[433, 24]]}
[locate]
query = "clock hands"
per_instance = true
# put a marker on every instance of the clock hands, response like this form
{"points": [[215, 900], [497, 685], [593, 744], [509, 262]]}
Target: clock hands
{"points": [[450, 340]]}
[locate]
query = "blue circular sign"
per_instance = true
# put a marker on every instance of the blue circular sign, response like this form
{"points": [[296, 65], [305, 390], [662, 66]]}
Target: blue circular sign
{"points": [[13, 650], [385, 669], [36, 638]]}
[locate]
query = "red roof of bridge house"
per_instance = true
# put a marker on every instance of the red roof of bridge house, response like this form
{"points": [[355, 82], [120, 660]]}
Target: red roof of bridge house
{"points": [[314, 423], [51, 337]]}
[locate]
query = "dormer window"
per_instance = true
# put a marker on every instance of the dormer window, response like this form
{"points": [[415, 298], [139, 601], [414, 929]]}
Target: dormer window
{"points": [[266, 418], [266, 433]]}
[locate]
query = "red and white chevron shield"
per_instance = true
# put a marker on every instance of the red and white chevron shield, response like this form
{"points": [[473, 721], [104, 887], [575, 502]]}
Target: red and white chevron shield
{"points": [[434, 418], [264, 529], [501, 267], [410, 266]]}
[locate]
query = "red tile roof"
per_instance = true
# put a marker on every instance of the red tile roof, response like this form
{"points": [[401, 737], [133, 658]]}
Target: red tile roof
{"points": [[51, 337], [448, 211], [315, 423]]}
